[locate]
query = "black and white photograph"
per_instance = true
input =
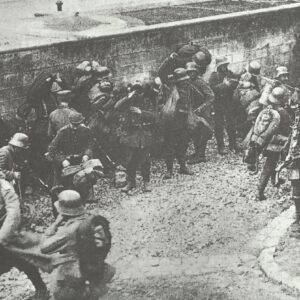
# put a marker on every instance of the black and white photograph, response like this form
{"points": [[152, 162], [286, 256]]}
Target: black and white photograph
{"points": [[150, 150]]}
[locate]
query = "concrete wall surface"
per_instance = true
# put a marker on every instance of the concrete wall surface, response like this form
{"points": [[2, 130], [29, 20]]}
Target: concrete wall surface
{"points": [[266, 35]]}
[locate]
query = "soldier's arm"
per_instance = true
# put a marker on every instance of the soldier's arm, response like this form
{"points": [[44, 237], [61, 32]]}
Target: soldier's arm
{"points": [[120, 103], [50, 131], [166, 69], [217, 86], [24, 110], [13, 213], [209, 96], [9, 175], [90, 145], [54, 149]]}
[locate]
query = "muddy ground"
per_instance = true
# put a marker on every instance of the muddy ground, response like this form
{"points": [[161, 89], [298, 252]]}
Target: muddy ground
{"points": [[185, 222]]}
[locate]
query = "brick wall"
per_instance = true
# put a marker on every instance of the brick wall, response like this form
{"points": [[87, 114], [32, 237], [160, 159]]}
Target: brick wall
{"points": [[267, 36]]}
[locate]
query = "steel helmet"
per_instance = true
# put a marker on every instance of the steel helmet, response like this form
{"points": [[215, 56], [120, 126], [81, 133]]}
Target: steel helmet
{"points": [[20, 140], [277, 95], [69, 203]]}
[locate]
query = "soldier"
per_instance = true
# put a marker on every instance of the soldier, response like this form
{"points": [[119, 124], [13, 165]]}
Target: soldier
{"points": [[81, 244], [12, 158], [4, 132], [292, 162], [42, 99], [202, 103], [282, 75], [180, 58], [176, 132], [60, 117], [73, 144], [247, 95], [10, 219], [252, 76], [272, 144], [223, 82], [136, 137], [87, 84]]}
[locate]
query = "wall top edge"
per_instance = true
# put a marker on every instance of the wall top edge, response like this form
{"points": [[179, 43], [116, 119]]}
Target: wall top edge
{"points": [[162, 26]]}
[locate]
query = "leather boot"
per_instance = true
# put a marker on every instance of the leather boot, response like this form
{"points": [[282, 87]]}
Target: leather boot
{"points": [[146, 187], [263, 181], [199, 156], [42, 294], [129, 187], [295, 228], [185, 171], [221, 150], [169, 173]]}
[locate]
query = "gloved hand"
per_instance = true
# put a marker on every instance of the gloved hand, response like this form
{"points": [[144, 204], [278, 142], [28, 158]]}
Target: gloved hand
{"points": [[85, 158], [17, 175], [135, 110], [173, 55], [65, 163]]}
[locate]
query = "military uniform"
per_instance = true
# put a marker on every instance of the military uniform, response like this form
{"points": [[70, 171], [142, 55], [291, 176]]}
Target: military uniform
{"points": [[202, 98], [58, 119], [12, 160], [272, 145], [4, 133], [176, 131], [10, 218], [179, 59], [79, 244], [70, 142], [293, 167], [7, 162], [136, 135], [225, 107], [43, 101]]}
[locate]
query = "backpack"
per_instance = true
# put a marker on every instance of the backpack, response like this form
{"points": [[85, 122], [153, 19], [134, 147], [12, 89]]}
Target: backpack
{"points": [[93, 238]]}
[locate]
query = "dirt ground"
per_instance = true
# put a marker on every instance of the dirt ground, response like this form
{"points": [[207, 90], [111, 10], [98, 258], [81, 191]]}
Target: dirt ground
{"points": [[211, 215], [287, 254]]}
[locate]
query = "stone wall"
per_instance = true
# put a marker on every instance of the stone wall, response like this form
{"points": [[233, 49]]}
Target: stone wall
{"points": [[266, 35]]}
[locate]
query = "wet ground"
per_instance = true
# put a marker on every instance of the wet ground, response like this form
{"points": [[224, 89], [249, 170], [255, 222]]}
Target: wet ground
{"points": [[190, 238]]}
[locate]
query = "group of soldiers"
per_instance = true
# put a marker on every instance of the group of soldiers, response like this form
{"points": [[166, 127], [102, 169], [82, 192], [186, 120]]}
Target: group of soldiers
{"points": [[86, 128]]}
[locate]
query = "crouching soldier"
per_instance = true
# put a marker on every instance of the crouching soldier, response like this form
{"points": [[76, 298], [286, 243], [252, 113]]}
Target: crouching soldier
{"points": [[136, 137], [13, 162], [72, 145], [80, 243], [10, 218]]}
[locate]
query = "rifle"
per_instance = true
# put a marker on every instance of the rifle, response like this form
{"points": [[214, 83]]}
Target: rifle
{"points": [[276, 82], [33, 175], [111, 163]]}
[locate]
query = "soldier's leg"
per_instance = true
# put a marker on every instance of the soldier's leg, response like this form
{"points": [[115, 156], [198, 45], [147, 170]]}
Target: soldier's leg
{"points": [[131, 167], [231, 129], [295, 228], [266, 173], [32, 273], [182, 141], [169, 145], [219, 129], [204, 136], [145, 168], [196, 138]]}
